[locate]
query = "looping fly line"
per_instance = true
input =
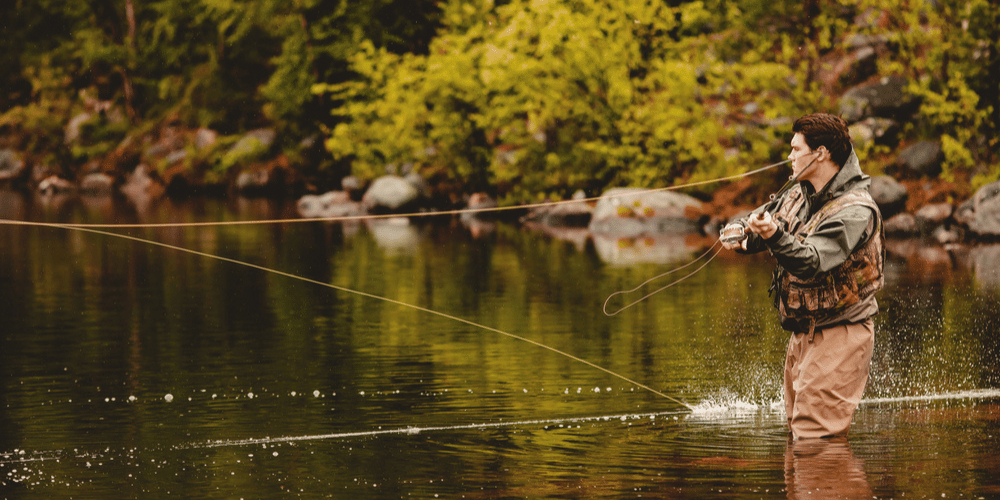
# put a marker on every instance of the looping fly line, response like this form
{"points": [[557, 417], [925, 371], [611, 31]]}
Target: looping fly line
{"points": [[664, 287]]}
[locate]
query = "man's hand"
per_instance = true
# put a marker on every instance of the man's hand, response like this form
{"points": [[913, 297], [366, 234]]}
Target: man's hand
{"points": [[762, 225], [733, 236]]}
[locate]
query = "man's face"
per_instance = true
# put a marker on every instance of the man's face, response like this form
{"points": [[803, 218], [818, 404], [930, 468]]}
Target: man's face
{"points": [[801, 155]]}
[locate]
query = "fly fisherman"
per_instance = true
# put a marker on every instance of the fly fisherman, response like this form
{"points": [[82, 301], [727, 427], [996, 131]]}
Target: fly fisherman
{"points": [[825, 233]]}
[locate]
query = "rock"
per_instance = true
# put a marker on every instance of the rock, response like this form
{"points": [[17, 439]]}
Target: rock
{"points": [[390, 193], [54, 185], [922, 159], [418, 182], [889, 194], [934, 214], [566, 214], [140, 187], [850, 68], [261, 180], [903, 224], [885, 98], [945, 235], [631, 212], [352, 186], [874, 131], [205, 138], [11, 165], [72, 131], [169, 141], [250, 147], [97, 184], [981, 213], [328, 205]]}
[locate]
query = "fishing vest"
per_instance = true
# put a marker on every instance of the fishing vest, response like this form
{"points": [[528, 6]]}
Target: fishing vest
{"points": [[831, 292]]}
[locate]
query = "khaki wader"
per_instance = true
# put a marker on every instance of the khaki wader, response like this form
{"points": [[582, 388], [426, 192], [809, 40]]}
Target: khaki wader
{"points": [[825, 376]]}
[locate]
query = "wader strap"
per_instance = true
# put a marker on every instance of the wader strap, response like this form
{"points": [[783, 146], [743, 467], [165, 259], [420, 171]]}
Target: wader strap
{"points": [[812, 329]]}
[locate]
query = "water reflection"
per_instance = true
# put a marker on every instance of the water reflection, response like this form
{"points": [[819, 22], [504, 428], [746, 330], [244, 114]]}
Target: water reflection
{"points": [[284, 388], [658, 249], [395, 235], [824, 469]]}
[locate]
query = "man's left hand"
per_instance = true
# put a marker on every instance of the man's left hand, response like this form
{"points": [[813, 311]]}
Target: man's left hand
{"points": [[764, 225]]}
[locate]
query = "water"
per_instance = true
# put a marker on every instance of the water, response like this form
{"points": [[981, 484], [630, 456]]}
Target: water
{"points": [[136, 371]]}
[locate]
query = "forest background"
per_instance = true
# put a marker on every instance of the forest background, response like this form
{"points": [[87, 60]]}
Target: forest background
{"points": [[521, 99]]}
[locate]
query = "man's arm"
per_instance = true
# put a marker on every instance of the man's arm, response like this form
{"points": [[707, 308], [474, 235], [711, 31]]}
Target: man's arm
{"points": [[828, 247]]}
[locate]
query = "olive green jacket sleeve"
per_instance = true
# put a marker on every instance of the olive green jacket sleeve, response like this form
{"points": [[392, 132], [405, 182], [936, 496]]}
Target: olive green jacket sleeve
{"points": [[832, 243]]}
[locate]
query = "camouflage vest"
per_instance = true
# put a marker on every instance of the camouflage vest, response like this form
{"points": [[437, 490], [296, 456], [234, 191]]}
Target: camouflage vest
{"points": [[832, 292]]}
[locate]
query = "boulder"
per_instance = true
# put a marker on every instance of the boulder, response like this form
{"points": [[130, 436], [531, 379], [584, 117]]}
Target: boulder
{"points": [[885, 98], [903, 224], [253, 145], [922, 159], [874, 131], [889, 194], [390, 193], [169, 141], [72, 132], [140, 187], [97, 184], [11, 165], [52, 185], [566, 214], [328, 205], [981, 213], [934, 214], [205, 138], [353, 186], [631, 212]]}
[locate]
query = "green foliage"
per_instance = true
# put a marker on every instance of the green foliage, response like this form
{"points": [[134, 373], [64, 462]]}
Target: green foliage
{"points": [[950, 52], [225, 64], [537, 97]]}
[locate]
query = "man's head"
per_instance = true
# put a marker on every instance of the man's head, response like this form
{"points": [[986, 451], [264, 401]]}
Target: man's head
{"points": [[828, 131]]}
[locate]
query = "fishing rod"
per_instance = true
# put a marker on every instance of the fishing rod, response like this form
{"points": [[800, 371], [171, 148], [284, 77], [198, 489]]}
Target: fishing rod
{"points": [[736, 232]]}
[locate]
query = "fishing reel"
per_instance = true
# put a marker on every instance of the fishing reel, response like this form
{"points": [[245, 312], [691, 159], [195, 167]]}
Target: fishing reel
{"points": [[733, 233]]}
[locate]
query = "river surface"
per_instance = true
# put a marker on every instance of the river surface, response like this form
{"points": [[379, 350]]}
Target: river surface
{"points": [[442, 359]]}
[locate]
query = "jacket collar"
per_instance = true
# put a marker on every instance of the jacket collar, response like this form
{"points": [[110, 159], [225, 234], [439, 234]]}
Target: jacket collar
{"points": [[849, 177]]}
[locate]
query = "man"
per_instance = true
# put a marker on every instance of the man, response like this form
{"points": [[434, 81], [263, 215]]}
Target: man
{"points": [[826, 235]]}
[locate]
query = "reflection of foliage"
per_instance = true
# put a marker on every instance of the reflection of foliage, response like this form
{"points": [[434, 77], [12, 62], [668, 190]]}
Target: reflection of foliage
{"points": [[545, 96]]}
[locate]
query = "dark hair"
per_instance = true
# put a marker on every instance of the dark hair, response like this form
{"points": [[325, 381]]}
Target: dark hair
{"points": [[821, 129]]}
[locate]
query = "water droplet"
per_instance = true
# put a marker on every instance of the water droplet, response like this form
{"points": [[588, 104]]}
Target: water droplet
{"points": [[315, 394], [169, 397]]}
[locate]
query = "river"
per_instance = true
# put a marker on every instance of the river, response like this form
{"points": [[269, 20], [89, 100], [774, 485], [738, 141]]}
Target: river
{"points": [[436, 359]]}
